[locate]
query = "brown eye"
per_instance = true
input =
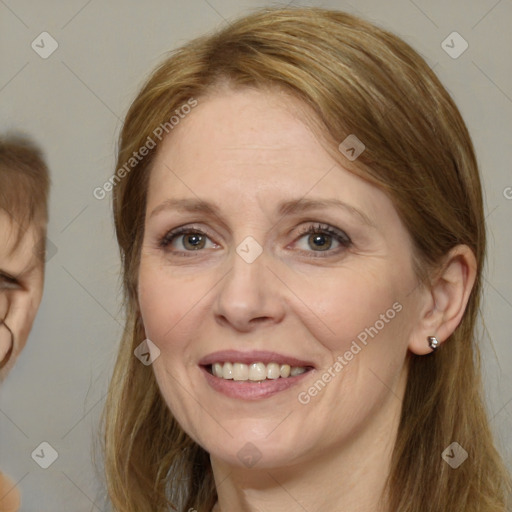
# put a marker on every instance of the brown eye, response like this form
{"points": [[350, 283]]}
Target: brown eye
{"points": [[322, 238], [323, 242], [193, 241], [185, 239]]}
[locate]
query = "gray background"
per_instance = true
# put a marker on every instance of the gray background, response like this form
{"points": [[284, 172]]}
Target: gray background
{"points": [[73, 103]]}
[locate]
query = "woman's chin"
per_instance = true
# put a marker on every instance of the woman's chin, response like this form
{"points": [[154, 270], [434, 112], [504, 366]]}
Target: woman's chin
{"points": [[257, 453]]}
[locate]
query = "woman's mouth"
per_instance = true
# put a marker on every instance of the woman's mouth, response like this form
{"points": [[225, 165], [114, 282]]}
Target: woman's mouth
{"points": [[256, 372], [253, 375]]}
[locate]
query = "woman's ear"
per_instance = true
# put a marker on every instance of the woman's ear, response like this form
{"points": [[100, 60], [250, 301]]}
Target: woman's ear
{"points": [[445, 299]]}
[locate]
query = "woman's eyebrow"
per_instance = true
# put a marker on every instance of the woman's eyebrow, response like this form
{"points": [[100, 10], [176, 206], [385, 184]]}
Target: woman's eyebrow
{"points": [[289, 207], [187, 205], [304, 205]]}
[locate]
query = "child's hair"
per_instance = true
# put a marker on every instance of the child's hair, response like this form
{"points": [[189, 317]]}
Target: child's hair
{"points": [[24, 184]]}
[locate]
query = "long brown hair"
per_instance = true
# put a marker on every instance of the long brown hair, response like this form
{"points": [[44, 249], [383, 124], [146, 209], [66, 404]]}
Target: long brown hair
{"points": [[362, 80]]}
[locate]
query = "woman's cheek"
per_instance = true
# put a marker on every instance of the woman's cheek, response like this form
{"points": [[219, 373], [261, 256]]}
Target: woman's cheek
{"points": [[152, 303], [164, 305], [341, 310]]}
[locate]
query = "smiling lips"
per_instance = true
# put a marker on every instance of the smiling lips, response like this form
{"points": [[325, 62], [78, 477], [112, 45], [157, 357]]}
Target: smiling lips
{"points": [[255, 371], [232, 366]]}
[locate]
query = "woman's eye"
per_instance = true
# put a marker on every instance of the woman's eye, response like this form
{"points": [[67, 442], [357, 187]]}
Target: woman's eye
{"points": [[315, 238], [322, 238], [185, 239]]}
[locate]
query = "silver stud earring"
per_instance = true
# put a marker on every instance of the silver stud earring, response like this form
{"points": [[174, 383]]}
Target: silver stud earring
{"points": [[433, 342]]}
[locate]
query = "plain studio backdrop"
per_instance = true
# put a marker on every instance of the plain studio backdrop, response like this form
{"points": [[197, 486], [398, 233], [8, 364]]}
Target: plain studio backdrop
{"points": [[69, 71]]}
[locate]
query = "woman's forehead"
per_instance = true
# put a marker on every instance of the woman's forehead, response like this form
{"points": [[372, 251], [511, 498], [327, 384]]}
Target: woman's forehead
{"points": [[235, 122], [242, 136], [247, 152]]}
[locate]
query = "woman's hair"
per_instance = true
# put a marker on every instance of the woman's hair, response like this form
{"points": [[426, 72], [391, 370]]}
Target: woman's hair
{"points": [[358, 79], [24, 184]]}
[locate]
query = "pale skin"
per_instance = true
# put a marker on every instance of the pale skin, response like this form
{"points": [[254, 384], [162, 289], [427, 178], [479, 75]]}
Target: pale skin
{"points": [[21, 289], [247, 151]]}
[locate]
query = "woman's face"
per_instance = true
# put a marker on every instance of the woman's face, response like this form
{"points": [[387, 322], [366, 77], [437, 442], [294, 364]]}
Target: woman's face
{"points": [[261, 250], [21, 289]]}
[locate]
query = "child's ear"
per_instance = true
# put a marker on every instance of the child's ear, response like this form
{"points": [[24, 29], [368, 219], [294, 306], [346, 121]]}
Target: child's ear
{"points": [[445, 299]]}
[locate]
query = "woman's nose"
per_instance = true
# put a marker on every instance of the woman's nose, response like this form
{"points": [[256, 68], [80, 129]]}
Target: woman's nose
{"points": [[250, 293]]}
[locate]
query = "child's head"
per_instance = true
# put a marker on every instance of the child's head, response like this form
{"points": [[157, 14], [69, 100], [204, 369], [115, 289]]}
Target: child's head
{"points": [[24, 186]]}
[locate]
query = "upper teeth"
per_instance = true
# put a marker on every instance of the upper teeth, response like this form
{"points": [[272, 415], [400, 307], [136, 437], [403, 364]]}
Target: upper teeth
{"points": [[255, 371]]}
